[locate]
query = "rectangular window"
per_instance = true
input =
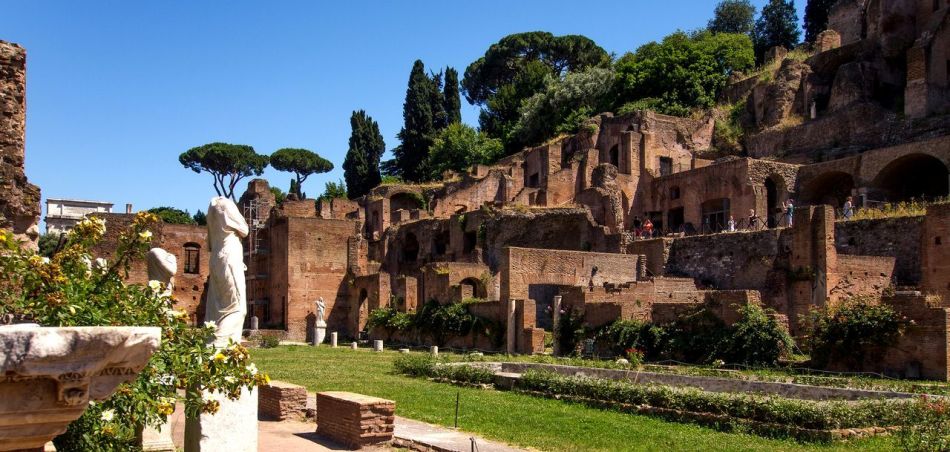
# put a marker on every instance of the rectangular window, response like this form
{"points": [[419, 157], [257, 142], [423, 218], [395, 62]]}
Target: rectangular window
{"points": [[192, 260], [715, 215], [666, 166]]}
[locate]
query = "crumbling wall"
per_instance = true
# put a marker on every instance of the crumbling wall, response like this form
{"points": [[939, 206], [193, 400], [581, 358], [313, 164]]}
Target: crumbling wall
{"points": [[898, 238], [19, 199], [522, 267]]}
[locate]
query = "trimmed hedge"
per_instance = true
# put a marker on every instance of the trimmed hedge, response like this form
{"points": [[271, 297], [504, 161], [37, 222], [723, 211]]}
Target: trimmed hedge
{"points": [[429, 366], [827, 415]]}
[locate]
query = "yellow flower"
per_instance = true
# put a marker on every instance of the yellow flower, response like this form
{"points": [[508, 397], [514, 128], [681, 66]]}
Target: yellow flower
{"points": [[219, 357], [145, 235]]}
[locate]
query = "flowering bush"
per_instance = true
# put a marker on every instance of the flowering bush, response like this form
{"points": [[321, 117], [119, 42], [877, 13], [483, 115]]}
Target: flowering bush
{"points": [[73, 289]]}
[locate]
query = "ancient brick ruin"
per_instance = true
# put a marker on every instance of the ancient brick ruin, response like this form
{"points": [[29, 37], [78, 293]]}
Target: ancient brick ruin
{"points": [[865, 116], [19, 200]]}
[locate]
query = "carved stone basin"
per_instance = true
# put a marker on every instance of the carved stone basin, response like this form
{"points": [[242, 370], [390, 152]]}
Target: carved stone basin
{"points": [[49, 375]]}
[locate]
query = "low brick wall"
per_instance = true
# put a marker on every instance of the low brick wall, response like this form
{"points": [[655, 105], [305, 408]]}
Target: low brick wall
{"points": [[279, 400], [355, 420]]}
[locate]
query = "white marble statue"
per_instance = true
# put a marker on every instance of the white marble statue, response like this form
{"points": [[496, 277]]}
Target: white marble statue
{"points": [[162, 266], [321, 311], [227, 295]]}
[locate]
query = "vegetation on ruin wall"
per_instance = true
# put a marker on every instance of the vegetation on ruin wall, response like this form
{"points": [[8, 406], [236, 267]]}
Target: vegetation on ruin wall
{"points": [[912, 208], [511, 417], [439, 322], [697, 336], [73, 289]]}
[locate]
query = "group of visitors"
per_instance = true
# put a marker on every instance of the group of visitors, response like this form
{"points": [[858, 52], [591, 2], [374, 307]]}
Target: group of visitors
{"points": [[643, 229]]}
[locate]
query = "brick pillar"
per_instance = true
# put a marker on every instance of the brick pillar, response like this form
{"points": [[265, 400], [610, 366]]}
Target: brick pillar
{"points": [[511, 334], [813, 261], [935, 253], [915, 93], [525, 321], [556, 321]]}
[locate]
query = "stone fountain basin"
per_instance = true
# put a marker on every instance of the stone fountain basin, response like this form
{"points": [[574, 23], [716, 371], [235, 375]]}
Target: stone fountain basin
{"points": [[49, 375]]}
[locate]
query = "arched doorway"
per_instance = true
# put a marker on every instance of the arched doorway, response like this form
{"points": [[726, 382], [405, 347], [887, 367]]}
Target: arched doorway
{"points": [[919, 176], [831, 188], [472, 288], [615, 155]]}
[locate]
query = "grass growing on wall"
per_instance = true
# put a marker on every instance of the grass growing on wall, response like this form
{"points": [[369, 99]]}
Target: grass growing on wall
{"points": [[517, 419]]}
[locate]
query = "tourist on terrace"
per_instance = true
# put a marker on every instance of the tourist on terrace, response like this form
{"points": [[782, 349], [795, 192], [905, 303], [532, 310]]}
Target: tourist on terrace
{"points": [[789, 212], [637, 225], [647, 229], [848, 208], [753, 220], [731, 226]]}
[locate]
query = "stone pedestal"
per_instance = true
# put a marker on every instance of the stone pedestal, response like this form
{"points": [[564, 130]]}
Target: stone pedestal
{"points": [[434, 350], [355, 420], [158, 440], [333, 338], [354, 345], [377, 345], [232, 429], [51, 374], [319, 333]]}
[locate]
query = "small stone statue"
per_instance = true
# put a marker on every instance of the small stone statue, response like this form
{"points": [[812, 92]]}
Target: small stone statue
{"points": [[321, 310], [227, 293], [162, 266]]}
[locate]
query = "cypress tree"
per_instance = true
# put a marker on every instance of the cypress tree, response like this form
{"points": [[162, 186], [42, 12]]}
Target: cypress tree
{"points": [[450, 94], [361, 165], [777, 26], [417, 130], [816, 18]]}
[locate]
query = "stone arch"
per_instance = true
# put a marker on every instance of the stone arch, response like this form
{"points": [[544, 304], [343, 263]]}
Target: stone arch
{"points": [[404, 201], [830, 188], [473, 287], [915, 175]]}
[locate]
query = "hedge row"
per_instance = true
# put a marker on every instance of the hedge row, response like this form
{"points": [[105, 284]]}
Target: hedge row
{"points": [[429, 366], [828, 415]]}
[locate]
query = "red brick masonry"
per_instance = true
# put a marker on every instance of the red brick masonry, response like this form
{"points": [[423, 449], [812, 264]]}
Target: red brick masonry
{"points": [[280, 401], [355, 420]]}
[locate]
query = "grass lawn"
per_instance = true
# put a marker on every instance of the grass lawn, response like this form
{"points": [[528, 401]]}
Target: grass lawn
{"points": [[509, 417]]}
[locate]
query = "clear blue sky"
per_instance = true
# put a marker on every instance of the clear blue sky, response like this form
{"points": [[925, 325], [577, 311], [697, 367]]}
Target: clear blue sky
{"points": [[117, 90]]}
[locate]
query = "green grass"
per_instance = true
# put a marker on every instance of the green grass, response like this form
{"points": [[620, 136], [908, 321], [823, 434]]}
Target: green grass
{"points": [[517, 419]]}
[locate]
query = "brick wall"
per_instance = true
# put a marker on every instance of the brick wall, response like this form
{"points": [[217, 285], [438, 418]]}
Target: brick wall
{"points": [[898, 238], [935, 252], [355, 420], [19, 199], [522, 267], [280, 401]]}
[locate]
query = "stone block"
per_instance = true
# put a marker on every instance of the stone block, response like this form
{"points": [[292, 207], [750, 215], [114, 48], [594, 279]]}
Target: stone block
{"points": [[355, 420], [280, 400]]}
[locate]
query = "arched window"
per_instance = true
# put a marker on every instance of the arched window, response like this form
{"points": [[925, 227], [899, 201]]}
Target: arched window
{"points": [[192, 258]]}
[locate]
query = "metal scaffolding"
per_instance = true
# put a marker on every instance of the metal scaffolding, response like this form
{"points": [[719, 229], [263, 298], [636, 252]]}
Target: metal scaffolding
{"points": [[255, 212]]}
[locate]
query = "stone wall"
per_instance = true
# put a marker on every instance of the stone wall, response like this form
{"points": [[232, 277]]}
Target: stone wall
{"points": [[19, 199], [898, 238], [935, 253], [523, 267]]}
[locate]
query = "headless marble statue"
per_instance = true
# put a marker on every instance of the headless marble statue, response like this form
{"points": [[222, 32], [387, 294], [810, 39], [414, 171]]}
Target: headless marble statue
{"points": [[162, 266], [227, 296]]}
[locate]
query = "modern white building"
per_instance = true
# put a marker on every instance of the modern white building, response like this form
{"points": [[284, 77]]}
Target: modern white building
{"points": [[63, 214]]}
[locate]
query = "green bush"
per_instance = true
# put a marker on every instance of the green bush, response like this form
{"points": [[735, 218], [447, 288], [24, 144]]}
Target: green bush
{"points": [[624, 336], [756, 339], [807, 414], [269, 341], [928, 426], [429, 366], [847, 331]]}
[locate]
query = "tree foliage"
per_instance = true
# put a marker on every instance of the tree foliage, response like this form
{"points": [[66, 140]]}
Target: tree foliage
{"points": [[48, 243], [227, 163], [563, 105], [200, 218], [279, 195], [458, 147], [423, 115], [334, 190], [302, 162], [776, 26], [361, 165], [733, 16], [816, 17], [451, 99], [516, 67], [683, 71], [172, 215]]}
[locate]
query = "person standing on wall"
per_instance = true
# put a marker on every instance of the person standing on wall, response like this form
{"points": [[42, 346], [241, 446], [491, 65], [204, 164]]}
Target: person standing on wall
{"points": [[789, 212], [848, 209]]}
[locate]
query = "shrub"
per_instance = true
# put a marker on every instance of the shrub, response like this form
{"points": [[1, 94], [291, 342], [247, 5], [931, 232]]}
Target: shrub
{"points": [[757, 339], [570, 331], [444, 321], [269, 341], [806, 414], [849, 330], [624, 337], [928, 426], [429, 366], [71, 289]]}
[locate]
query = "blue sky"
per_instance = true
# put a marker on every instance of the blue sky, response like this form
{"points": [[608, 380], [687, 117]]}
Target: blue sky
{"points": [[117, 90]]}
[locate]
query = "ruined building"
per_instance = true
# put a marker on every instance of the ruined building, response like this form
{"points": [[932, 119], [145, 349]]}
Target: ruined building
{"points": [[865, 115]]}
